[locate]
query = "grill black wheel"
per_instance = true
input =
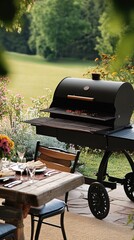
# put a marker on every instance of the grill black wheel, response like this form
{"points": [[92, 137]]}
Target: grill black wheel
{"points": [[129, 185], [98, 200]]}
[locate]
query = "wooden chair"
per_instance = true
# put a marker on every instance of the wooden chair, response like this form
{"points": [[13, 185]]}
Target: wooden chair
{"points": [[7, 231], [60, 160]]}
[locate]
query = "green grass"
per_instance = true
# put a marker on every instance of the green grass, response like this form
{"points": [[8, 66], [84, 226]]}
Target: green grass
{"points": [[30, 75], [118, 165]]}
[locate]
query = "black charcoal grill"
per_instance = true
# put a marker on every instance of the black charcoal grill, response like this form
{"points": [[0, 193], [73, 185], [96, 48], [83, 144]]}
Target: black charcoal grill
{"points": [[104, 103], [93, 113]]}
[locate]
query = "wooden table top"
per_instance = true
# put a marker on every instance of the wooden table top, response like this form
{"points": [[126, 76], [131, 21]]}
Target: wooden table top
{"points": [[41, 191]]}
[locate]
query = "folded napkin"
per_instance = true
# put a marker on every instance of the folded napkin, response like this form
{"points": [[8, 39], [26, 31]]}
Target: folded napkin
{"points": [[6, 173], [38, 164]]}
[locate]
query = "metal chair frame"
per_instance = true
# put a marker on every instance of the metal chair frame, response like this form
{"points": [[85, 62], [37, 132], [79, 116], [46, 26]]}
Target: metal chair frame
{"points": [[9, 234]]}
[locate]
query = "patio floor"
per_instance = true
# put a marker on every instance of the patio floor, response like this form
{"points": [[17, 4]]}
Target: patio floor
{"points": [[120, 204]]}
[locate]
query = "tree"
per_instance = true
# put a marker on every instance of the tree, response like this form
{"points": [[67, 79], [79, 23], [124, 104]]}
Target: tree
{"points": [[11, 12], [14, 41], [62, 30], [55, 26], [92, 10]]}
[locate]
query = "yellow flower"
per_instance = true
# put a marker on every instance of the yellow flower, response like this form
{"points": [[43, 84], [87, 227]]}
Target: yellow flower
{"points": [[114, 73]]}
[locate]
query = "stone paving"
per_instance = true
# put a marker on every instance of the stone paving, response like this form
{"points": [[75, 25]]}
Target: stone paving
{"points": [[120, 205]]}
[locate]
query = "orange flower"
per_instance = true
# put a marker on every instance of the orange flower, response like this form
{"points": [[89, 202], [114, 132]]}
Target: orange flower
{"points": [[6, 145], [96, 59]]}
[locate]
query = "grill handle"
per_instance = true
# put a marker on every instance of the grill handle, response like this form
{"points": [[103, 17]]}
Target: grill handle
{"points": [[75, 97]]}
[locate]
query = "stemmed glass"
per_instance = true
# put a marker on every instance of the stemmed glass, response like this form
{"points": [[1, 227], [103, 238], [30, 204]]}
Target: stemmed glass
{"points": [[21, 166], [21, 151], [21, 160], [31, 170]]}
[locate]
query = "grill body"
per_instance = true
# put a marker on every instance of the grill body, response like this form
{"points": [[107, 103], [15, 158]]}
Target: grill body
{"points": [[85, 111]]}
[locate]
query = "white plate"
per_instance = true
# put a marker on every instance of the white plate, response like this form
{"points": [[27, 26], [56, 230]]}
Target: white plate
{"points": [[17, 169], [40, 170], [6, 177]]}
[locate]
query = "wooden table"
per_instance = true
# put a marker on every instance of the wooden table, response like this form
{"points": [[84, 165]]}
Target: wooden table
{"points": [[22, 196]]}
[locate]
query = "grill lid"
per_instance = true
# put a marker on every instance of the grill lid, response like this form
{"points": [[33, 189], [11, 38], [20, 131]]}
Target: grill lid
{"points": [[102, 102]]}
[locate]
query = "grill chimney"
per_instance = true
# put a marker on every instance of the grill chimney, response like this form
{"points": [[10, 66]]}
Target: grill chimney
{"points": [[95, 76]]}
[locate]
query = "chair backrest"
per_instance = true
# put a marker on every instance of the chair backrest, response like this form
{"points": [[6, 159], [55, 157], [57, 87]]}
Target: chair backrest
{"points": [[56, 158]]}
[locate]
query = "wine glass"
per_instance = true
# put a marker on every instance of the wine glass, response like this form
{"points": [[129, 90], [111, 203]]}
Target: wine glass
{"points": [[21, 166], [31, 170], [21, 160], [21, 151]]}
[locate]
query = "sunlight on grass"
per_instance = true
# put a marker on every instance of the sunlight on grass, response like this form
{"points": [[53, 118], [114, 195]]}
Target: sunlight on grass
{"points": [[30, 75]]}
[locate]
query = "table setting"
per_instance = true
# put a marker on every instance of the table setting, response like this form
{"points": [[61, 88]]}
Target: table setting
{"points": [[7, 174], [26, 183], [15, 173]]}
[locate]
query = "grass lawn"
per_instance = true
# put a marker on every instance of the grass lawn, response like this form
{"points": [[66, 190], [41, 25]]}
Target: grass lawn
{"points": [[30, 75], [118, 165]]}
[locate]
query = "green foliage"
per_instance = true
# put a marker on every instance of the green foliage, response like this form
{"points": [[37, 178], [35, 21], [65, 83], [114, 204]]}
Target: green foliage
{"points": [[70, 29], [16, 41], [121, 22], [67, 29], [131, 220], [41, 103], [106, 42], [14, 107], [8, 10], [3, 98], [117, 31], [11, 12], [3, 64], [12, 122], [105, 67]]}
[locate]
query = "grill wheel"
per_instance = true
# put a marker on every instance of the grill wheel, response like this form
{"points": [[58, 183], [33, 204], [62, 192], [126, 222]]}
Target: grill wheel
{"points": [[98, 200], [129, 185]]}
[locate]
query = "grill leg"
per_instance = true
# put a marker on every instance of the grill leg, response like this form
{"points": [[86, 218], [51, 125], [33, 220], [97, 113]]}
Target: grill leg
{"points": [[103, 166], [129, 160]]}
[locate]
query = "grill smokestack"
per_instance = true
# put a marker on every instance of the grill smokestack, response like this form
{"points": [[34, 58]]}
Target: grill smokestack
{"points": [[95, 76]]}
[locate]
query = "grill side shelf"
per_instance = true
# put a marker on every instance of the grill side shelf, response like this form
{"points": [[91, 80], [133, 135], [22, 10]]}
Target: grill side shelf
{"points": [[56, 123]]}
